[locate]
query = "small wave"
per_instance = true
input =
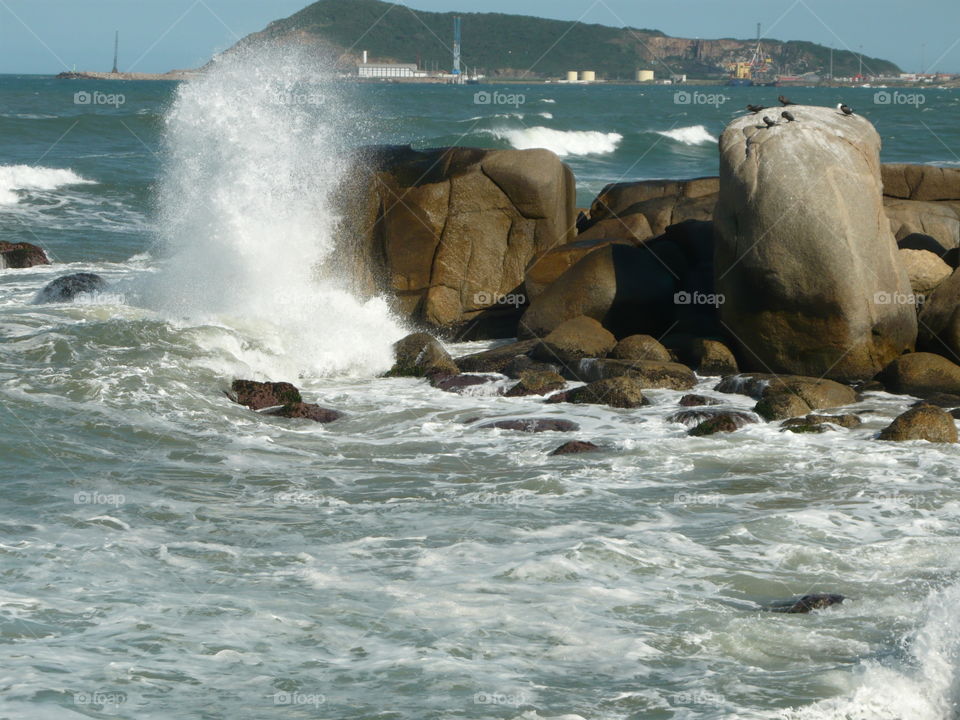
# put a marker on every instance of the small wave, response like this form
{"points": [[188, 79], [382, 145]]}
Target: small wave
{"points": [[693, 135], [562, 142], [547, 100], [548, 116], [26, 177]]}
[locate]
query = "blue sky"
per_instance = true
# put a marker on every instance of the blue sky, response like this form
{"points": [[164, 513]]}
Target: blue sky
{"points": [[47, 36]]}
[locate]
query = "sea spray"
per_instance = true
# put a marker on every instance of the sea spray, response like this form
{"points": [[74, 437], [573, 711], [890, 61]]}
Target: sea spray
{"points": [[255, 147]]}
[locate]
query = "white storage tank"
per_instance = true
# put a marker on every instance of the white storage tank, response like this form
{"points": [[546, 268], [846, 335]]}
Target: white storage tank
{"points": [[644, 75], [588, 76], [572, 76]]}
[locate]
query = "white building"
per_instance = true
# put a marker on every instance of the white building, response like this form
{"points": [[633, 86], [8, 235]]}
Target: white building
{"points": [[389, 70]]}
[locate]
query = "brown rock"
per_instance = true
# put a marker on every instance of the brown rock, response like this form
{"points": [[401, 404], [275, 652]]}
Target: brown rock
{"points": [[778, 406], [925, 270], [921, 374], [922, 423], [421, 354], [307, 411], [693, 418], [258, 395], [459, 383], [847, 420], [618, 392], [920, 182], [534, 382], [574, 339], [497, 359], [21, 255], [697, 401], [712, 357], [650, 373], [640, 347], [543, 270], [534, 425], [940, 320], [575, 447], [723, 423]]}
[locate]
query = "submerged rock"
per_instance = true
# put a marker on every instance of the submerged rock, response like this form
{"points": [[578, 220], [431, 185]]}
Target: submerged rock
{"points": [[66, 288], [536, 382], [649, 373], [534, 425], [721, 422], [618, 392], [307, 411], [575, 447], [692, 418], [21, 255], [459, 383], [816, 601], [922, 423], [258, 395], [498, 359], [697, 401], [786, 396], [847, 420], [921, 374]]}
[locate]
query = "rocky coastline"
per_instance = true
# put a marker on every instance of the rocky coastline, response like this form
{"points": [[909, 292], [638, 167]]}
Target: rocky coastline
{"points": [[806, 274]]}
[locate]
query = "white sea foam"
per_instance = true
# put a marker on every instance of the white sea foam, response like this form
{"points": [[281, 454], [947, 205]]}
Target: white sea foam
{"points": [[693, 135], [548, 116], [562, 142], [247, 222], [14, 178]]}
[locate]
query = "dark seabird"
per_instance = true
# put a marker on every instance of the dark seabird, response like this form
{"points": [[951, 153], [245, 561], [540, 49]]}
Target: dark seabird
{"points": [[788, 116], [755, 108], [785, 101], [770, 123], [845, 109]]}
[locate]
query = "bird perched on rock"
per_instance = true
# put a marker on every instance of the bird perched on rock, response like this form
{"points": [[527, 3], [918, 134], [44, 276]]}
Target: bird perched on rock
{"points": [[785, 101], [755, 108], [845, 109], [770, 123], [788, 116]]}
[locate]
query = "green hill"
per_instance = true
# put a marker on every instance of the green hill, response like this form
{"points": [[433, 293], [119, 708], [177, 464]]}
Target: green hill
{"points": [[502, 45]]}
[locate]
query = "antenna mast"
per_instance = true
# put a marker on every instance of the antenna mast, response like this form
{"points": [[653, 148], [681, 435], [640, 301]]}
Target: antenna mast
{"points": [[456, 47], [116, 51]]}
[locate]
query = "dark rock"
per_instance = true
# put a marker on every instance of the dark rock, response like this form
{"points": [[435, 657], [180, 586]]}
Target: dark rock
{"points": [[778, 406], [847, 420], [693, 418], [66, 288], [258, 395], [811, 428], [307, 411], [940, 320], [21, 255], [786, 396], [941, 400], [533, 382], [651, 374], [866, 386], [497, 359], [522, 363], [575, 447], [807, 603], [922, 423], [712, 357], [618, 392], [459, 383], [534, 425], [421, 354], [921, 374], [697, 401], [723, 423]]}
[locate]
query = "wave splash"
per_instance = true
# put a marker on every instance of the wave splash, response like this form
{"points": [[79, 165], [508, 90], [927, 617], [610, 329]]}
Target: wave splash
{"points": [[255, 148], [17, 178], [562, 142], [693, 135]]}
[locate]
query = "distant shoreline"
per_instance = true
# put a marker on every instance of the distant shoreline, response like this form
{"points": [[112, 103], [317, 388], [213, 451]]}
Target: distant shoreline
{"points": [[175, 75]]}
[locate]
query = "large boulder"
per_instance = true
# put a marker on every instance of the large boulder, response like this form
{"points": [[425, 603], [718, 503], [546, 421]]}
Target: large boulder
{"points": [[259, 395], [549, 265], [925, 422], [940, 319], [618, 392], [921, 374], [665, 202], [449, 231], [924, 269], [21, 255], [786, 396], [640, 347], [937, 220], [627, 289], [804, 256], [649, 373], [920, 182], [68, 287], [496, 359]]}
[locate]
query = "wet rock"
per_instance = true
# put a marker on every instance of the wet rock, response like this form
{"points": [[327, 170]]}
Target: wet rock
{"points": [[778, 406], [21, 255], [459, 383], [573, 340], [926, 422], [618, 392], [651, 374], [942, 400], [805, 604], [692, 418], [575, 447], [786, 396], [697, 401], [534, 425], [847, 420], [921, 374], [522, 363], [925, 269], [640, 347], [307, 411], [724, 422], [421, 354], [258, 395], [66, 288], [712, 357], [808, 428], [534, 382], [497, 359]]}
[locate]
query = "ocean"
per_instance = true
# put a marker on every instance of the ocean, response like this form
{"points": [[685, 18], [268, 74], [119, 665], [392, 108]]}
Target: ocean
{"points": [[168, 554]]}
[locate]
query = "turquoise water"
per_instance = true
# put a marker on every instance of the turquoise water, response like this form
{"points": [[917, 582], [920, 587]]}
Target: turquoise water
{"points": [[166, 554]]}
